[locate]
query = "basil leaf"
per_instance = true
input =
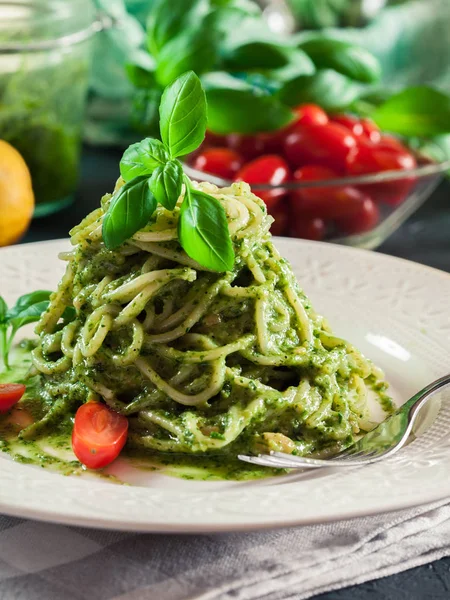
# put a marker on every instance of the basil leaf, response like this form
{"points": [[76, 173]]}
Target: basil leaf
{"points": [[145, 111], [27, 301], [168, 19], [195, 50], [166, 183], [329, 89], [183, 115], [345, 58], [130, 210], [256, 55], [203, 231], [420, 111], [3, 310], [142, 158], [30, 314], [234, 105]]}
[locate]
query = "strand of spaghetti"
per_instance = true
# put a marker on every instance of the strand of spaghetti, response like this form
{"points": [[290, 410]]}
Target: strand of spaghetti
{"points": [[260, 322], [132, 351], [138, 304], [96, 328], [50, 367], [59, 300], [156, 417], [172, 255], [96, 296], [127, 291], [195, 315], [156, 236], [217, 379], [305, 329], [202, 356], [81, 298], [177, 317], [68, 335]]}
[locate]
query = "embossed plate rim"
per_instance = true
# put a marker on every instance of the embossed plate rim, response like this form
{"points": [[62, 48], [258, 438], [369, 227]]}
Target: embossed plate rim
{"points": [[388, 288]]}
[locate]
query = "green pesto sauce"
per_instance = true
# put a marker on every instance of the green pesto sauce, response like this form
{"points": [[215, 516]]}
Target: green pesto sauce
{"points": [[54, 451]]}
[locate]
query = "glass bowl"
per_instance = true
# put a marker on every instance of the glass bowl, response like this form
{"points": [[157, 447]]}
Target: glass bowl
{"points": [[395, 194]]}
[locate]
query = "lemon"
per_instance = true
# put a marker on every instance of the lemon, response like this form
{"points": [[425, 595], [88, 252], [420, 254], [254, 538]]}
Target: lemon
{"points": [[16, 195]]}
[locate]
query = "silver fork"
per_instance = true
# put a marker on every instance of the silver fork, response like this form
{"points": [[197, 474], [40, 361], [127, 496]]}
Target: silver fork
{"points": [[383, 441]]}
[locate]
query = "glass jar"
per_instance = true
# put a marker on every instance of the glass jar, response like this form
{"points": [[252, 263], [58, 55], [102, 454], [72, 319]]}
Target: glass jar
{"points": [[44, 68]]}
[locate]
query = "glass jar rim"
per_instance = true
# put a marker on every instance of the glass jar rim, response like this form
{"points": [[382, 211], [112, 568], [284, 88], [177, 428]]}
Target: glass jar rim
{"points": [[40, 25]]}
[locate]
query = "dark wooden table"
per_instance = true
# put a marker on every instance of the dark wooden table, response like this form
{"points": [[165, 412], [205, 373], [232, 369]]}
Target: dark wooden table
{"points": [[424, 238]]}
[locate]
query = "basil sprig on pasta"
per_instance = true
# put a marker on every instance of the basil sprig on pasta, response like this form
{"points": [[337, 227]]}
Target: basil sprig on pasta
{"points": [[154, 175]]}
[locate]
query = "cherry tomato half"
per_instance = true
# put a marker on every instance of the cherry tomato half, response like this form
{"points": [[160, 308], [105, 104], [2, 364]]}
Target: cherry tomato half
{"points": [[98, 435], [311, 114], [222, 162], [385, 156], [327, 145], [281, 215], [270, 169], [308, 229], [361, 221], [10, 394]]}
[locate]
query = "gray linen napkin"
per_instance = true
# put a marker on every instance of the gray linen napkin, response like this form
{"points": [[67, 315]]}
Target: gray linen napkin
{"points": [[40, 561]]}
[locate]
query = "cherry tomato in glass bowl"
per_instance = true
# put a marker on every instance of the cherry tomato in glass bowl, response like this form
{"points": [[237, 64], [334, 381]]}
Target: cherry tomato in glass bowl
{"points": [[247, 146], [360, 128], [327, 145], [214, 139], [10, 394], [341, 202], [364, 219], [307, 228], [353, 124], [371, 131], [281, 215], [98, 435], [222, 162], [313, 173], [268, 169], [386, 156], [310, 114]]}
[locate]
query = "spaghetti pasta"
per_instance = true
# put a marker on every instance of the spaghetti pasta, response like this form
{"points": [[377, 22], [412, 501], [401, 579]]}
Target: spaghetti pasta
{"points": [[199, 362]]}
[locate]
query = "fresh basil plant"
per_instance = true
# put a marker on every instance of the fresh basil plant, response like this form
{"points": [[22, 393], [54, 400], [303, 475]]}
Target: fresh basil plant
{"points": [[154, 175]]}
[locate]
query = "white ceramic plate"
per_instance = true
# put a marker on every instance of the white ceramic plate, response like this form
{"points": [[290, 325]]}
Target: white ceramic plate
{"points": [[395, 311]]}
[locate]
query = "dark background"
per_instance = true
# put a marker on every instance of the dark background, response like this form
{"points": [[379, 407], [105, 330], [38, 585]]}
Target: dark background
{"points": [[424, 238]]}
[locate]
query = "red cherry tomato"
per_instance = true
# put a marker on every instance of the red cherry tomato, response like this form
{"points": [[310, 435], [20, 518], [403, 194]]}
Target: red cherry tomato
{"points": [[327, 145], [371, 131], [386, 156], [222, 162], [213, 139], [353, 124], [247, 146], [10, 394], [363, 220], [98, 435], [338, 202], [270, 169], [281, 216], [387, 142], [313, 173], [308, 229], [310, 114]]}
